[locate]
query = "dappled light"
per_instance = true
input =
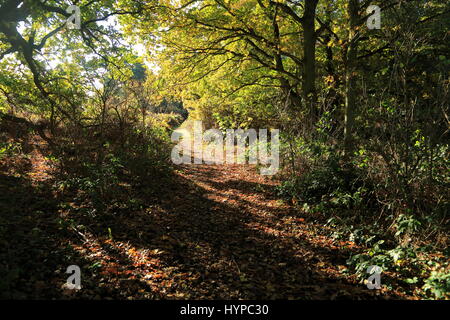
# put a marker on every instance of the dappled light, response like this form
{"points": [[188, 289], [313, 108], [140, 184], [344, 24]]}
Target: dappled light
{"points": [[224, 150]]}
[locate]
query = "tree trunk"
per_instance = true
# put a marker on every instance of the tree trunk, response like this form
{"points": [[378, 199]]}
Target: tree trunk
{"points": [[309, 57], [350, 77]]}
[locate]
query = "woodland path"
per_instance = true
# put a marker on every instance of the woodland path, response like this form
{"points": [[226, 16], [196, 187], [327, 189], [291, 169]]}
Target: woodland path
{"points": [[205, 232]]}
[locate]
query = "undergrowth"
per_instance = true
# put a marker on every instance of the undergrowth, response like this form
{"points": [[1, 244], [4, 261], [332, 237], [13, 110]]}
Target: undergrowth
{"points": [[407, 241]]}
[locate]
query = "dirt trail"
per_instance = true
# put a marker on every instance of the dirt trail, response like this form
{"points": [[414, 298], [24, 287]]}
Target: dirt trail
{"points": [[206, 232], [249, 244]]}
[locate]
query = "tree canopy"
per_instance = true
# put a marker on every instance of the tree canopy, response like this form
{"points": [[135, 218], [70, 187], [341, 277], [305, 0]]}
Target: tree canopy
{"points": [[91, 93]]}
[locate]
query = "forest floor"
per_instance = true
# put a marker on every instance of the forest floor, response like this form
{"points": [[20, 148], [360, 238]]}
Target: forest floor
{"points": [[205, 232]]}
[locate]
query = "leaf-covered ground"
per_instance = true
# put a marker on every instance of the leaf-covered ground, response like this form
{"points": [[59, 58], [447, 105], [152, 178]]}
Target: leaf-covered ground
{"points": [[205, 232]]}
